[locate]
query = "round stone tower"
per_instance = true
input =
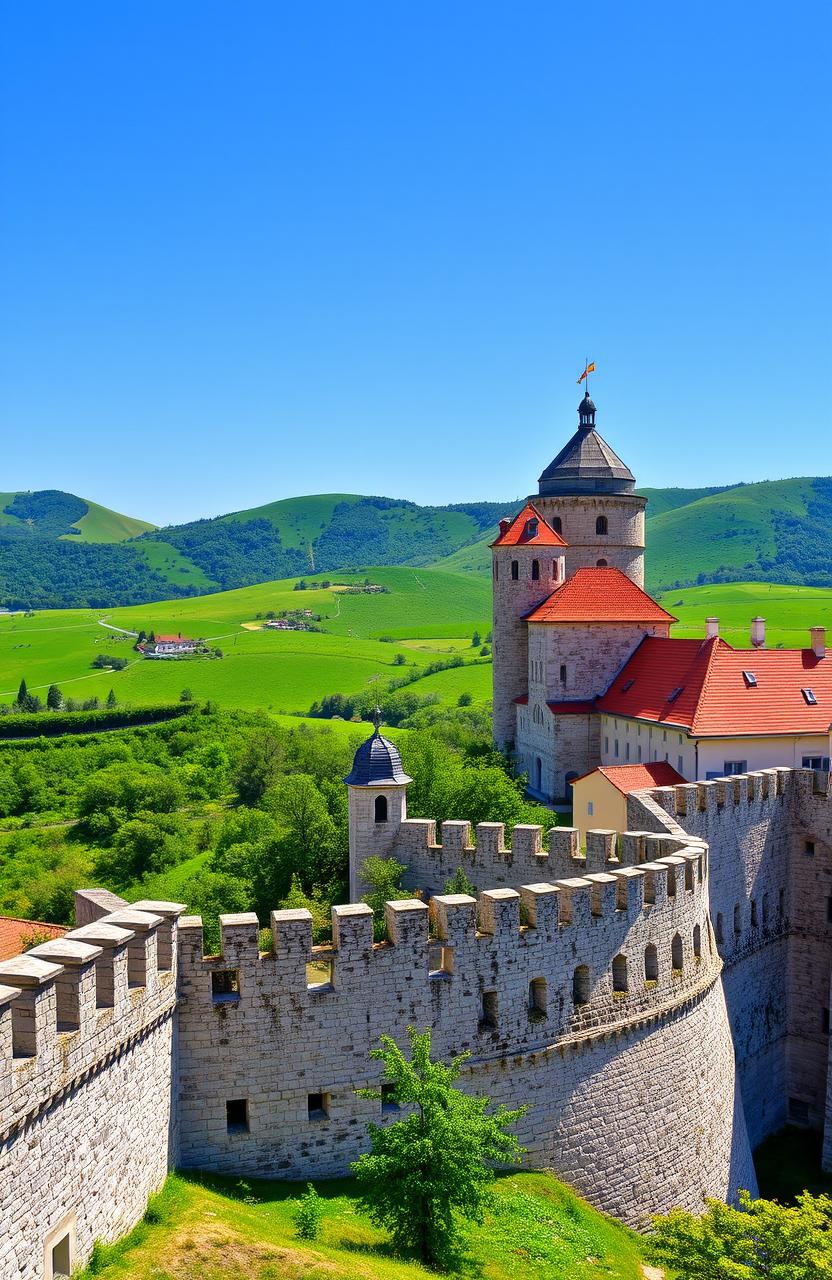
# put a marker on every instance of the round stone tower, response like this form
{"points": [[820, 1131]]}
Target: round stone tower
{"points": [[587, 494], [377, 789]]}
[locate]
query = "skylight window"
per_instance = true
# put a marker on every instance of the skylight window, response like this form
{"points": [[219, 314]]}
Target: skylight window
{"points": [[628, 684], [673, 695], [750, 679], [809, 695]]}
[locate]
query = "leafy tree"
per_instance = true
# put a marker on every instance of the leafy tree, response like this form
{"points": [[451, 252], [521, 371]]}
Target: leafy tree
{"points": [[112, 700], [310, 843], [384, 875], [459, 883], [297, 900], [476, 640], [259, 765], [186, 695], [399, 660], [54, 701], [761, 1240], [308, 1213], [435, 1165], [464, 700]]}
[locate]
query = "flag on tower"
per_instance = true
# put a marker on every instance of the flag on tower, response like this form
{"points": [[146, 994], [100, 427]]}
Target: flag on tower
{"points": [[590, 368]]}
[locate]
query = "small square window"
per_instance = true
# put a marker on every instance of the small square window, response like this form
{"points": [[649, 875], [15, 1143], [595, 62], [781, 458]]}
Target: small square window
{"points": [[236, 1115], [317, 1106], [388, 1098], [809, 697], [319, 975], [225, 985], [590, 808]]}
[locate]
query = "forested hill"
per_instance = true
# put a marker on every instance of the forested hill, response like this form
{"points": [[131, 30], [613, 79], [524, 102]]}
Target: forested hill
{"points": [[59, 551]]}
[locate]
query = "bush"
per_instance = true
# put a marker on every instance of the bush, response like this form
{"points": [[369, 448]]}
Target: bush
{"points": [[308, 1213]]}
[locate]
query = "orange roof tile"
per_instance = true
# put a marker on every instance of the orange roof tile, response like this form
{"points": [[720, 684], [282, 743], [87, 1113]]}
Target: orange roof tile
{"points": [[637, 777], [519, 532], [599, 595], [713, 698], [14, 934]]}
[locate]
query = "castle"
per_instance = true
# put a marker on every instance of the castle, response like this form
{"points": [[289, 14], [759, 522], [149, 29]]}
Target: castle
{"points": [[659, 997]]}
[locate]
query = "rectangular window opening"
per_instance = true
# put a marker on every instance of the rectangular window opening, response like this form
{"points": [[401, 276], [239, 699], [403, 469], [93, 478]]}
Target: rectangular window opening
{"points": [[62, 1258], [809, 697], [809, 848], [490, 1010], [440, 960], [388, 1098], [225, 985], [319, 975], [236, 1115], [317, 1106]]}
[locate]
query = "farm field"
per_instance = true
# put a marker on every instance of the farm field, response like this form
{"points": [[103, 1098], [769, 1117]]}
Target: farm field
{"points": [[281, 671], [213, 1229], [789, 611]]}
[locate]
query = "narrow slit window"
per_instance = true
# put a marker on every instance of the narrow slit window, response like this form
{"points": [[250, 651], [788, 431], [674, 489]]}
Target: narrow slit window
{"points": [[490, 1010], [515, 570], [651, 963], [537, 998], [580, 985], [619, 974], [601, 525], [677, 954], [380, 809], [535, 570]]}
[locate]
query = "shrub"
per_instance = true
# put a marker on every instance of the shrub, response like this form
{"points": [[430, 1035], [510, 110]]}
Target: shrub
{"points": [[308, 1213]]}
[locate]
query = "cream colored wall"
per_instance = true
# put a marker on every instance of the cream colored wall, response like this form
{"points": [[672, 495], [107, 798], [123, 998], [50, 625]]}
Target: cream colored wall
{"points": [[656, 742], [609, 806]]}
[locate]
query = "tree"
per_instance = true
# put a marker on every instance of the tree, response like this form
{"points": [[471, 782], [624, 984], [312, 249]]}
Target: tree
{"points": [[54, 700], [476, 640], [459, 883], [310, 840], [384, 876], [112, 700], [464, 700], [259, 765], [436, 1163], [761, 1240], [186, 695], [22, 694]]}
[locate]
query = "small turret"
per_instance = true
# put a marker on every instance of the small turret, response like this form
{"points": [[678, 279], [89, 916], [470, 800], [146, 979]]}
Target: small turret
{"points": [[377, 785]]}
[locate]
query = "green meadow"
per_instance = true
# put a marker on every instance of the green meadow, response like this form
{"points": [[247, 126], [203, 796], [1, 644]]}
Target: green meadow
{"points": [[282, 671], [789, 611]]}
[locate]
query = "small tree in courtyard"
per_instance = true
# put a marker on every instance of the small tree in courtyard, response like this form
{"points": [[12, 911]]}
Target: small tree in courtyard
{"points": [[761, 1240], [435, 1165]]}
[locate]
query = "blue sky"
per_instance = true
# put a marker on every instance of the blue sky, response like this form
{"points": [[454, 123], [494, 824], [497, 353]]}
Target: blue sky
{"points": [[254, 250]]}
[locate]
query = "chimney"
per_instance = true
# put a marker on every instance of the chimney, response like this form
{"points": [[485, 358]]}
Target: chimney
{"points": [[713, 628], [758, 633], [818, 635], [505, 525]]}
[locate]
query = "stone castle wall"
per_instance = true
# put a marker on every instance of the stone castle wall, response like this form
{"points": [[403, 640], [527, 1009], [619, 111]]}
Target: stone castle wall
{"points": [[86, 1071], [557, 1012]]}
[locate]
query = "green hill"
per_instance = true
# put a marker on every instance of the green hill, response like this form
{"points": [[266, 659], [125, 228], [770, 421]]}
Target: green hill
{"points": [[214, 1228]]}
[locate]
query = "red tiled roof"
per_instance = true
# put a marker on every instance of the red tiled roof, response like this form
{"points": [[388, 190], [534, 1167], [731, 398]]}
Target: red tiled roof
{"points": [[637, 777], [517, 534], [714, 698], [14, 933], [599, 595], [571, 708], [174, 640]]}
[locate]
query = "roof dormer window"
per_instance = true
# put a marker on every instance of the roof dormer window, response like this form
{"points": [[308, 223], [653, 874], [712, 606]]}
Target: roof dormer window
{"points": [[750, 679], [674, 694], [628, 684], [531, 527], [809, 696]]}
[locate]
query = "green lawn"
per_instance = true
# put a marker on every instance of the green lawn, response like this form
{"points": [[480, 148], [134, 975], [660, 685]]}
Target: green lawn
{"points": [[789, 611], [279, 671], [218, 1229]]}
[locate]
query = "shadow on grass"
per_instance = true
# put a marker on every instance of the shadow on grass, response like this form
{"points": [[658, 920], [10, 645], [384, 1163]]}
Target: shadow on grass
{"points": [[790, 1162]]}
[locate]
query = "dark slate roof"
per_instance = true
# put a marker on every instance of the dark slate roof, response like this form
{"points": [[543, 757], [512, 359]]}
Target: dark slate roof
{"points": [[586, 464], [376, 763]]}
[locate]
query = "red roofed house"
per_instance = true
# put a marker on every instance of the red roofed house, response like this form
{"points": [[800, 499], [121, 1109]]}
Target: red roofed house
{"points": [[599, 798], [585, 670], [169, 646], [16, 934]]}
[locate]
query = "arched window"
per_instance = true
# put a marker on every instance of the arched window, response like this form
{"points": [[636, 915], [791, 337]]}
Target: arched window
{"points": [[580, 985], [535, 570], [651, 963], [557, 524], [537, 996], [381, 809], [515, 570], [619, 974], [600, 564], [697, 942], [601, 525], [676, 954]]}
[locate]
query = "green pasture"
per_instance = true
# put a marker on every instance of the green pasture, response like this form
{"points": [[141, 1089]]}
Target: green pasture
{"points": [[173, 565], [100, 524], [276, 670], [789, 611]]}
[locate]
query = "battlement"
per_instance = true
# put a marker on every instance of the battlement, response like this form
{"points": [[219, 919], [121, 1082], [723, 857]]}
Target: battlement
{"points": [[601, 922], [532, 854], [69, 1005]]}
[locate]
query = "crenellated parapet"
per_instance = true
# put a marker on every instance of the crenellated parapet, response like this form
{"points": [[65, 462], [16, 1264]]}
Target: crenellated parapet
{"points": [[69, 1006]]}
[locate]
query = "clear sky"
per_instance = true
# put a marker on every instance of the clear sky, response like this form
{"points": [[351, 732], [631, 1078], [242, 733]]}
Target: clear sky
{"points": [[258, 249]]}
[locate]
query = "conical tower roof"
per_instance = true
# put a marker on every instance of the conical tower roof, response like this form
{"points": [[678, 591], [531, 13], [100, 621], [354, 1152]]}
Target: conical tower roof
{"points": [[586, 464]]}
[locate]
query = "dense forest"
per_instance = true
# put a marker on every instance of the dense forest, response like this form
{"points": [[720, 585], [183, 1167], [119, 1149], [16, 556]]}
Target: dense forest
{"points": [[225, 811]]}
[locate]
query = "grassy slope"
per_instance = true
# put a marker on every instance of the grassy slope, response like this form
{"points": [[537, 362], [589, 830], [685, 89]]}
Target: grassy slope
{"points": [[539, 1230], [661, 500], [300, 520], [789, 611], [730, 529], [102, 525], [282, 671]]}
